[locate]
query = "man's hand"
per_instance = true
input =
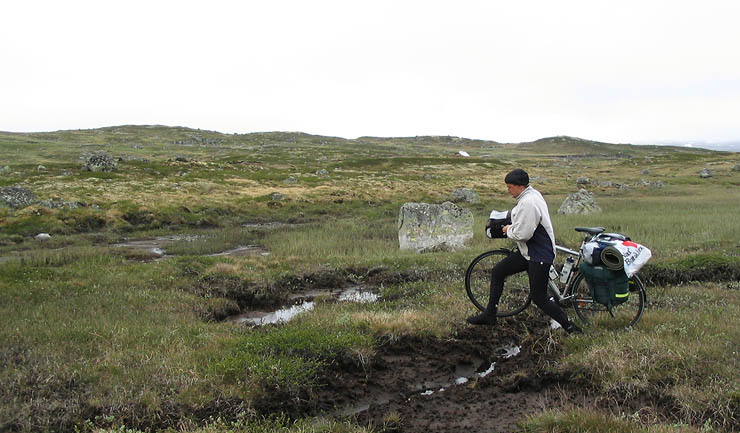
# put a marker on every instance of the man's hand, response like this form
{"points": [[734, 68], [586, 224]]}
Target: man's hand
{"points": [[505, 228]]}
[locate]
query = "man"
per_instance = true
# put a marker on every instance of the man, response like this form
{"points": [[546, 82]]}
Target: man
{"points": [[532, 230]]}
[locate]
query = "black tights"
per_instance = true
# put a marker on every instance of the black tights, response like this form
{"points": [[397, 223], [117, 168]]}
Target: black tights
{"points": [[538, 277]]}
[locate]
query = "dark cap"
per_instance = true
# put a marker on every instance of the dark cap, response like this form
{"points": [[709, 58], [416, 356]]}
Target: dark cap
{"points": [[517, 177]]}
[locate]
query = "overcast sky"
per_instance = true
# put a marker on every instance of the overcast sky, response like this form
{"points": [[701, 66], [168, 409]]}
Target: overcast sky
{"points": [[510, 71]]}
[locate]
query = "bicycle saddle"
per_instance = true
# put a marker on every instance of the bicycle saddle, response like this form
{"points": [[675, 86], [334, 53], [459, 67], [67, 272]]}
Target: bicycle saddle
{"points": [[590, 230]]}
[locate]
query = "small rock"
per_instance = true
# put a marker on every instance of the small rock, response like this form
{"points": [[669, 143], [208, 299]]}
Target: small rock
{"points": [[465, 195], [322, 173], [43, 237], [645, 172], [583, 180], [41, 168], [291, 179], [581, 202], [463, 153], [705, 173], [276, 196]]}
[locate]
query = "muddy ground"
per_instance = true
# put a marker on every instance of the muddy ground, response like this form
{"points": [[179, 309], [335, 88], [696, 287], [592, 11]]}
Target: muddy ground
{"points": [[474, 382]]}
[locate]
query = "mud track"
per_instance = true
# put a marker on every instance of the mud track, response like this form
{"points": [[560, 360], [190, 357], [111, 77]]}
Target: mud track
{"points": [[413, 384]]}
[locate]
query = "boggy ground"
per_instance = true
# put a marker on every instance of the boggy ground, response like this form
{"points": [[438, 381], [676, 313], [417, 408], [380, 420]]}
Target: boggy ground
{"points": [[412, 384]]}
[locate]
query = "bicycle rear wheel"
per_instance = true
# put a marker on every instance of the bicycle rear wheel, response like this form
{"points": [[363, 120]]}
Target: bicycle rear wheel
{"points": [[515, 296], [624, 315]]}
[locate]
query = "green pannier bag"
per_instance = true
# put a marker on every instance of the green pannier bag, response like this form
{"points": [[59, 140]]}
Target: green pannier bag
{"points": [[606, 286]]}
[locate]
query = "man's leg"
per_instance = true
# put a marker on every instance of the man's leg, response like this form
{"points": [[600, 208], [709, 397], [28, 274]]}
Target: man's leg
{"points": [[509, 265], [538, 277]]}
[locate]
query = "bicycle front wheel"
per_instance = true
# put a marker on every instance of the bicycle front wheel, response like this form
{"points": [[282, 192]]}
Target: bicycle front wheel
{"points": [[515, 296], [624, 315]]}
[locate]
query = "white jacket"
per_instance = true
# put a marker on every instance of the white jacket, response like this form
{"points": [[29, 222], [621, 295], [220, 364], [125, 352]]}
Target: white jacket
{"points": [[531, 227]]}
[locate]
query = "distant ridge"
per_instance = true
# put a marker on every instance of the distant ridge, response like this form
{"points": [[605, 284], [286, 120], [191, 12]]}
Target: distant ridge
{"points": [[561, 142]]}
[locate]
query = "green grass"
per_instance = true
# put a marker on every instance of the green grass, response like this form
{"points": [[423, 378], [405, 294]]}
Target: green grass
{"points": [[684, 349], [96, 337], [290, 356], [580, 421]]}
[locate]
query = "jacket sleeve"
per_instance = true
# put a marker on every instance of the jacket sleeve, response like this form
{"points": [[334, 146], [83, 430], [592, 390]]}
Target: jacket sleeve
{"points": [[523, 223]]}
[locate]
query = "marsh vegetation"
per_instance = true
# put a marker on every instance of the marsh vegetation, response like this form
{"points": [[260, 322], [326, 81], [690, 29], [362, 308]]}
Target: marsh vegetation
{"points": [[101, 335]]}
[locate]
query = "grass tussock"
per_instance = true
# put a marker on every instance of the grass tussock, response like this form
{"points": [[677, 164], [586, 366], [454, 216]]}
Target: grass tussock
{"points": [[289, 357], [580, 421], [684, 353]]}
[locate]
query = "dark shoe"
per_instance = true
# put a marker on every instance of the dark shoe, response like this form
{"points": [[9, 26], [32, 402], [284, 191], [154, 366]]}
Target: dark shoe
{"points": [[572, 328], [484, 318]]}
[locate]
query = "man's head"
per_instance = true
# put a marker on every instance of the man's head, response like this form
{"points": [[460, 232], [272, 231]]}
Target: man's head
{"points": [[517, 181]]}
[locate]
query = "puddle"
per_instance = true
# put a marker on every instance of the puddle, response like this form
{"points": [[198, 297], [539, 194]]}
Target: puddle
{"points": [[304, 301], [357, 294], [244, 250], [157, 246], [464, 373], [282, 315], [269, 225]]}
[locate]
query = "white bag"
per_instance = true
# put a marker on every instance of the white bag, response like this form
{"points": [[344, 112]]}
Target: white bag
{"points": [[635, 256]]}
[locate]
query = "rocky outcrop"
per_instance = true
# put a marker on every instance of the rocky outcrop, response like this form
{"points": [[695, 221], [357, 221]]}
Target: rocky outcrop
{"points": [[16, 197], [581, 202], [59, 204], [432, 227], [100, 162]]}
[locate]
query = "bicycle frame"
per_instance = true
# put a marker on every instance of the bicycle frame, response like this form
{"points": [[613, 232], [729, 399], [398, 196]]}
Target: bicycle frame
{"points": [[564, 296]]}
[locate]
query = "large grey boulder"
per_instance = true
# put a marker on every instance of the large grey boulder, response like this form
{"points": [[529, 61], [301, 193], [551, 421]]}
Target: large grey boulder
{"points": [[581, 202], [100, 162], [16, 197], [432, 227], [464, 195]]}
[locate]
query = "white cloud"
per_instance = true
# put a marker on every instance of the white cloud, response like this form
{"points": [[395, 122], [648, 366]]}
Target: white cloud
{"points": [[507, 71]]}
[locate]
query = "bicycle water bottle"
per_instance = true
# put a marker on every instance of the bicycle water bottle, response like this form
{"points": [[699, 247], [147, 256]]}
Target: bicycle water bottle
{"points": [[554, 275], [565, 273]]}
